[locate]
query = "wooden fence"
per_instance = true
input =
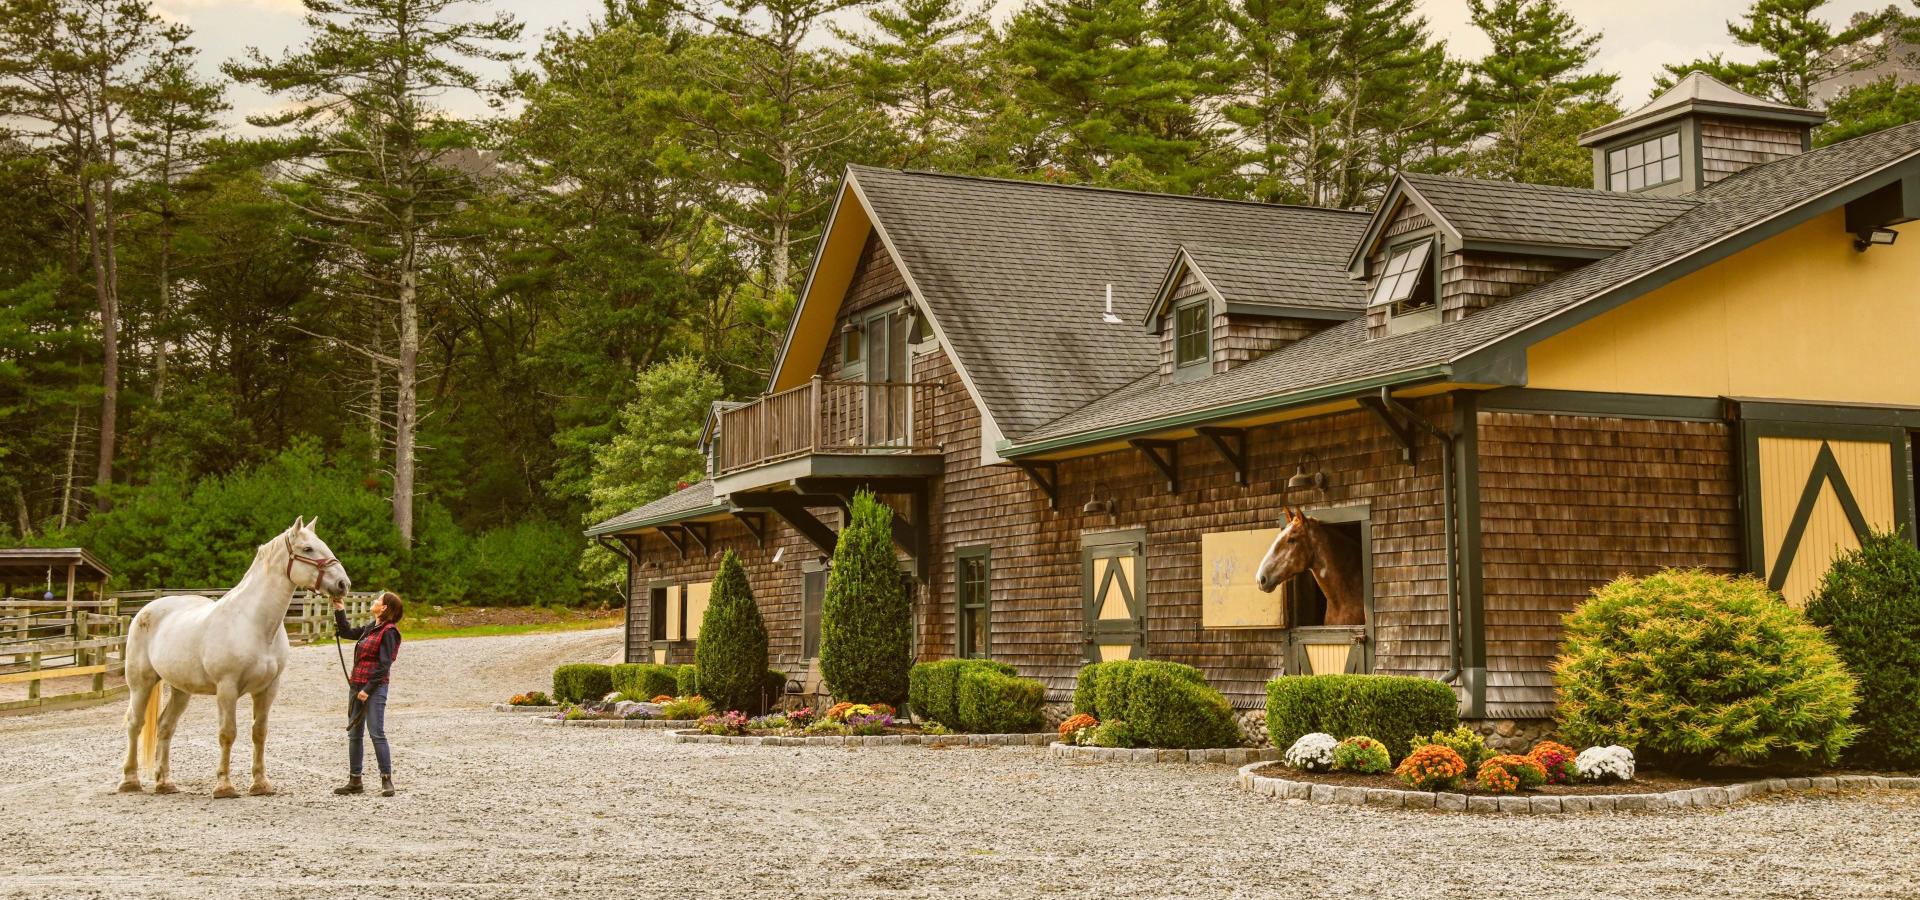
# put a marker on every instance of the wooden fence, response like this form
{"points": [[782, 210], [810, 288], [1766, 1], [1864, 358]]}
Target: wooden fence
{"points": [[42, 640]]}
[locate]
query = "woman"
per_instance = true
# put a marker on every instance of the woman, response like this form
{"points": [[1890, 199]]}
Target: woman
{"points": [[376, 644]]}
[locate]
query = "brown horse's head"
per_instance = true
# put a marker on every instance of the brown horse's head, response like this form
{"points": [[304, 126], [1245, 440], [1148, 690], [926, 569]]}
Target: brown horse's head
{"points": [[1290, 554]]}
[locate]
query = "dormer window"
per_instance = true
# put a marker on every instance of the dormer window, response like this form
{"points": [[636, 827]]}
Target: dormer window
{"points": [[1192, 330], [1407, 289], [1649, 163]]}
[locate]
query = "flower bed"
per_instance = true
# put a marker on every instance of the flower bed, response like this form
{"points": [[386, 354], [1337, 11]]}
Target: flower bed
{"points": [[525, 709], [844, 723], [898, 739], [1648, 791], [1232, 756], [614, 723]]}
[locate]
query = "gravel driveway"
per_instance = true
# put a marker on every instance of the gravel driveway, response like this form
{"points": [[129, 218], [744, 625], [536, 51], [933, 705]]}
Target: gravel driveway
{"points": [[492, 806]]}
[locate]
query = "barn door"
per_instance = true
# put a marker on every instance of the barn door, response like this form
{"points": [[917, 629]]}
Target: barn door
{"points": [[1114, 596], [1813, 491]]}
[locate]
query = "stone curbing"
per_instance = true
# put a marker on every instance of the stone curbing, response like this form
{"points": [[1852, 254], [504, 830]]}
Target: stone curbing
{"points": [[618, 723], [871, 740], [510, 708], [1715, 797], [1231, 756]]}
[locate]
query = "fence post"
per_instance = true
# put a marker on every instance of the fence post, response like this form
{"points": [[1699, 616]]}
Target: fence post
{"points": [[33, 687]]}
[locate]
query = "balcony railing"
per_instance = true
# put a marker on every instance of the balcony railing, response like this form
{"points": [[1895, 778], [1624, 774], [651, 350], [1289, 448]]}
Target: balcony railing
{"points": [[827, 417]]}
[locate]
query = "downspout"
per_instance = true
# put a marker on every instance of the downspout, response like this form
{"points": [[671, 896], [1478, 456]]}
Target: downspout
{"points": [[1449, 506], [626, 592]]}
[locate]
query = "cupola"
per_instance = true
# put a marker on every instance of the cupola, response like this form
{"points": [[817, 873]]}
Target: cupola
{"points": [[1697, 133]]}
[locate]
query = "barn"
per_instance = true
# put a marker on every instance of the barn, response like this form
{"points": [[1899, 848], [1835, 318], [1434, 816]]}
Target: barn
{"points": [[1090, 407]]}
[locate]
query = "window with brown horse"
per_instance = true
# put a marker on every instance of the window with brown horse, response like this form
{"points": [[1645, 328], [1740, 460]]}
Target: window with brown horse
{"points": [[1329, 554]]}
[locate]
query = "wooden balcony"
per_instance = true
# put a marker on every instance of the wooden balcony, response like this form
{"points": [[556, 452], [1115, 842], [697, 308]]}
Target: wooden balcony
{"points": [[828, 419]]}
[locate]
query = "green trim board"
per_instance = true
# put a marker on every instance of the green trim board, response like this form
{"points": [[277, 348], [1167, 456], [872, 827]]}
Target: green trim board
{"points": [[1277, 311], [1471, 583], [877, 464], [1611, 405], [1848, 414], [663, 519]]}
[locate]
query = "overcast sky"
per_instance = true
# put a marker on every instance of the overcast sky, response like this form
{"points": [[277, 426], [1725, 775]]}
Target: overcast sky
{"points": [[1637, 35]]}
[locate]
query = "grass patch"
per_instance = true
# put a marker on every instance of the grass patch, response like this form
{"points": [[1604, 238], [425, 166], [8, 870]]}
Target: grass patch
{"points": [[458, 622]]}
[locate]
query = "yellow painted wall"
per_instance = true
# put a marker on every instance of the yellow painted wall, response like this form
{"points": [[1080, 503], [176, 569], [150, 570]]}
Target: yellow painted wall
{"points": [[832, 274], [1801, 316]]}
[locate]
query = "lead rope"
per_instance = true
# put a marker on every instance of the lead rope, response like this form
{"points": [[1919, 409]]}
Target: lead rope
{"points": [[358, 709]]}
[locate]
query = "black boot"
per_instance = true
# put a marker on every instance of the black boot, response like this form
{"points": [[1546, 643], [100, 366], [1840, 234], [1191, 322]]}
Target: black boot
{"points": [[386, 785], [351, 787]]}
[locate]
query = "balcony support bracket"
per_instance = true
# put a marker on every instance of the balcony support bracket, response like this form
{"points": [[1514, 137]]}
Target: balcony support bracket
{"points": [[700, 533]]}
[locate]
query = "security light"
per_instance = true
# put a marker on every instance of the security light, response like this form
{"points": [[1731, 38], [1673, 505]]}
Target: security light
{"points": [[1880, 236]]}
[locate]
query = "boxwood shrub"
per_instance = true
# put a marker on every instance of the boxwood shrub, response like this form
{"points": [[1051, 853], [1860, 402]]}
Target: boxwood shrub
{"points": [[580, 682], [1683, 667], [933, 688], [732, 651], [1869, 603], [1164, 704], [1395, 710], [992, 702], [643, 681], [686, 680]]}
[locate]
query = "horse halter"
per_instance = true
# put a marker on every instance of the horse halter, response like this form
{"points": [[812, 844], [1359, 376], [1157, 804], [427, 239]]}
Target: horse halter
{"points": [[320, 566]]}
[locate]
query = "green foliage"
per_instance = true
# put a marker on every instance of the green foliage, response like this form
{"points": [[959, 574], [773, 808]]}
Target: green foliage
{"points": [[1530, 97], [1361, 754], [1686, 666], [776, 685], [1798, 50], [1165, 704], [527, 561], [732, 650], [1869, 603], [1112, 733], [686, 709], [1867, 108], [933, 688], [644, 681], [993, 702], [1398, 711], [582, 682], [866, 621], [1463, 741], [686, 681]]}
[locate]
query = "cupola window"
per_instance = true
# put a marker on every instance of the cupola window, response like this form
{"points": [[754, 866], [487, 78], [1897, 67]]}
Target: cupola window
{"points": [[1650, 163]]}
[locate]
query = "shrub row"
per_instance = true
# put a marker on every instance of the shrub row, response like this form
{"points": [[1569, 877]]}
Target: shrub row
{"points": [[933, 688], [992, 702], [580, 682], [1395, 710], [1164, 704]]}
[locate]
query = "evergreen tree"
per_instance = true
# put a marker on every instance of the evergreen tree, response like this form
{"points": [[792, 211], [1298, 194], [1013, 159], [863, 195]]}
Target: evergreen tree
{"points": [[1527, 100], [866, 620], [381, 173], [1871, 107], [924, 62], [1126, 91], [1799, 50], [732, 651]]}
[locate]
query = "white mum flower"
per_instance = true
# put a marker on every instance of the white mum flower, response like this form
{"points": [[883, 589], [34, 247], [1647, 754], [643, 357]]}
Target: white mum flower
{"points": [[1312, 752], [1611, 763]]}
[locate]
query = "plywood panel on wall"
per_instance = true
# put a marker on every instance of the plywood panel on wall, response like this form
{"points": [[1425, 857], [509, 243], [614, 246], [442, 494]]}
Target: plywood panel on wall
{"points": [[1230, 597]]}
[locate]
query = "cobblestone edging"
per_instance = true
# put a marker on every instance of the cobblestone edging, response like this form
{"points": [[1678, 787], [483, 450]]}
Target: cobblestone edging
{"points": [[1692, 798], [876, 740], [1232, 756], [618, 723], [510, 708]]}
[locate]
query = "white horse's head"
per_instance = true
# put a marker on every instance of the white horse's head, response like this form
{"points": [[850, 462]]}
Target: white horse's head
{"points": [[310, 562]]}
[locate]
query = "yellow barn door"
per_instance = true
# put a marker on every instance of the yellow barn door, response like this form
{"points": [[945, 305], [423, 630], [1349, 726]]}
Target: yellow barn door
{"points": [[1813, 491]]}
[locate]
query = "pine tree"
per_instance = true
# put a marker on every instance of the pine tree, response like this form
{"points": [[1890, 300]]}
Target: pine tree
{"points": [[866, 620], [1126, 91], [1867, 108], [378, 162], [1799, 50], [732, 651], [924, 62], [1528, 99]]}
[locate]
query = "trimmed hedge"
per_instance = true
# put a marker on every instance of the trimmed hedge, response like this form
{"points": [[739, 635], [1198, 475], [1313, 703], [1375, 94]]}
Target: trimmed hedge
{"points": [[643, 681], [580, 682], [933, 688], [732, 650], [1869, 603], [1686, 666], [866, 620], [993, 702], [686, 681], [1164, 704], [1396, 710]]}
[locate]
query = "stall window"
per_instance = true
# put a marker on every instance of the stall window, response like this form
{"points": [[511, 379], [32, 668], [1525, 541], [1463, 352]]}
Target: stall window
{"points": [[974, 602], [813, 598]]}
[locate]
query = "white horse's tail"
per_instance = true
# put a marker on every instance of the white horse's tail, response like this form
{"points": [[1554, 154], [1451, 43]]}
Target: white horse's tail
{"points": [[150, 729]]}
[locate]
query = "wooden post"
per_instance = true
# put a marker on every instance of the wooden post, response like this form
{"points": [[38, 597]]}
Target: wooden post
{"points": [[814, 406], [70, 568], [33, 687]]}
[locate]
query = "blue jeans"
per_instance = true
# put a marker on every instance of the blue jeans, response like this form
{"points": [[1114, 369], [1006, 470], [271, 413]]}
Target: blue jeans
{"points": [[370, 716]]}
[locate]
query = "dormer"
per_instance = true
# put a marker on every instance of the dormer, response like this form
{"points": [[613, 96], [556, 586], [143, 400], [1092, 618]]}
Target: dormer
{"points": [[1700, 131], [1220, 307], [1440, 248]]}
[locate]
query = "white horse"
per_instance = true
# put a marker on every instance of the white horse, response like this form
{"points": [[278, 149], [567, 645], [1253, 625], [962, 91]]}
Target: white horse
{"points": [[227, 647]]}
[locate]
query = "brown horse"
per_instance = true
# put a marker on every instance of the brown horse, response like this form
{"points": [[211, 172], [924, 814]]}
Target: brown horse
{"points": [[1308, 545]]}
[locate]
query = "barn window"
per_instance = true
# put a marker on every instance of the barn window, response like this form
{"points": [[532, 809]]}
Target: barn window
{"points": [[974, 604], [1190, 334], [813, 596], [1407, 283], [1649, 163], [657, 613]]}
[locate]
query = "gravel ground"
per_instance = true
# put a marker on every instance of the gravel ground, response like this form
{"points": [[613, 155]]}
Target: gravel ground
{"points": [[495, 806]]}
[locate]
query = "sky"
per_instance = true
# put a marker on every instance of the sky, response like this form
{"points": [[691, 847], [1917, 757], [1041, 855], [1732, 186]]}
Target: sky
{"points": [[1637, 36]]}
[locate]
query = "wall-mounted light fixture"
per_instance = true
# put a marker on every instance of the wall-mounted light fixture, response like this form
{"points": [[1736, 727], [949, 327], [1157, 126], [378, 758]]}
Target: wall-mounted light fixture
{"points": [[1879, 237], [1096, 506], [1302, 479]]}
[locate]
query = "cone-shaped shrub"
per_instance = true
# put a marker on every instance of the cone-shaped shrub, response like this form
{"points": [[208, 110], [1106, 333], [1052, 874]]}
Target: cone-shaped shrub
{"points": [[1870, 605], [1684, 666], [732, 652], [866, 622]]}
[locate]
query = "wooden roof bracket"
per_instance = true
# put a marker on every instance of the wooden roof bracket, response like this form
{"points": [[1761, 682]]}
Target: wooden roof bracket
{"points": [[1232, 444], [755, 523], [1165, 456], [679, 543], [700, 533], [1046, 477], [1403, 433], [792, 509]]}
